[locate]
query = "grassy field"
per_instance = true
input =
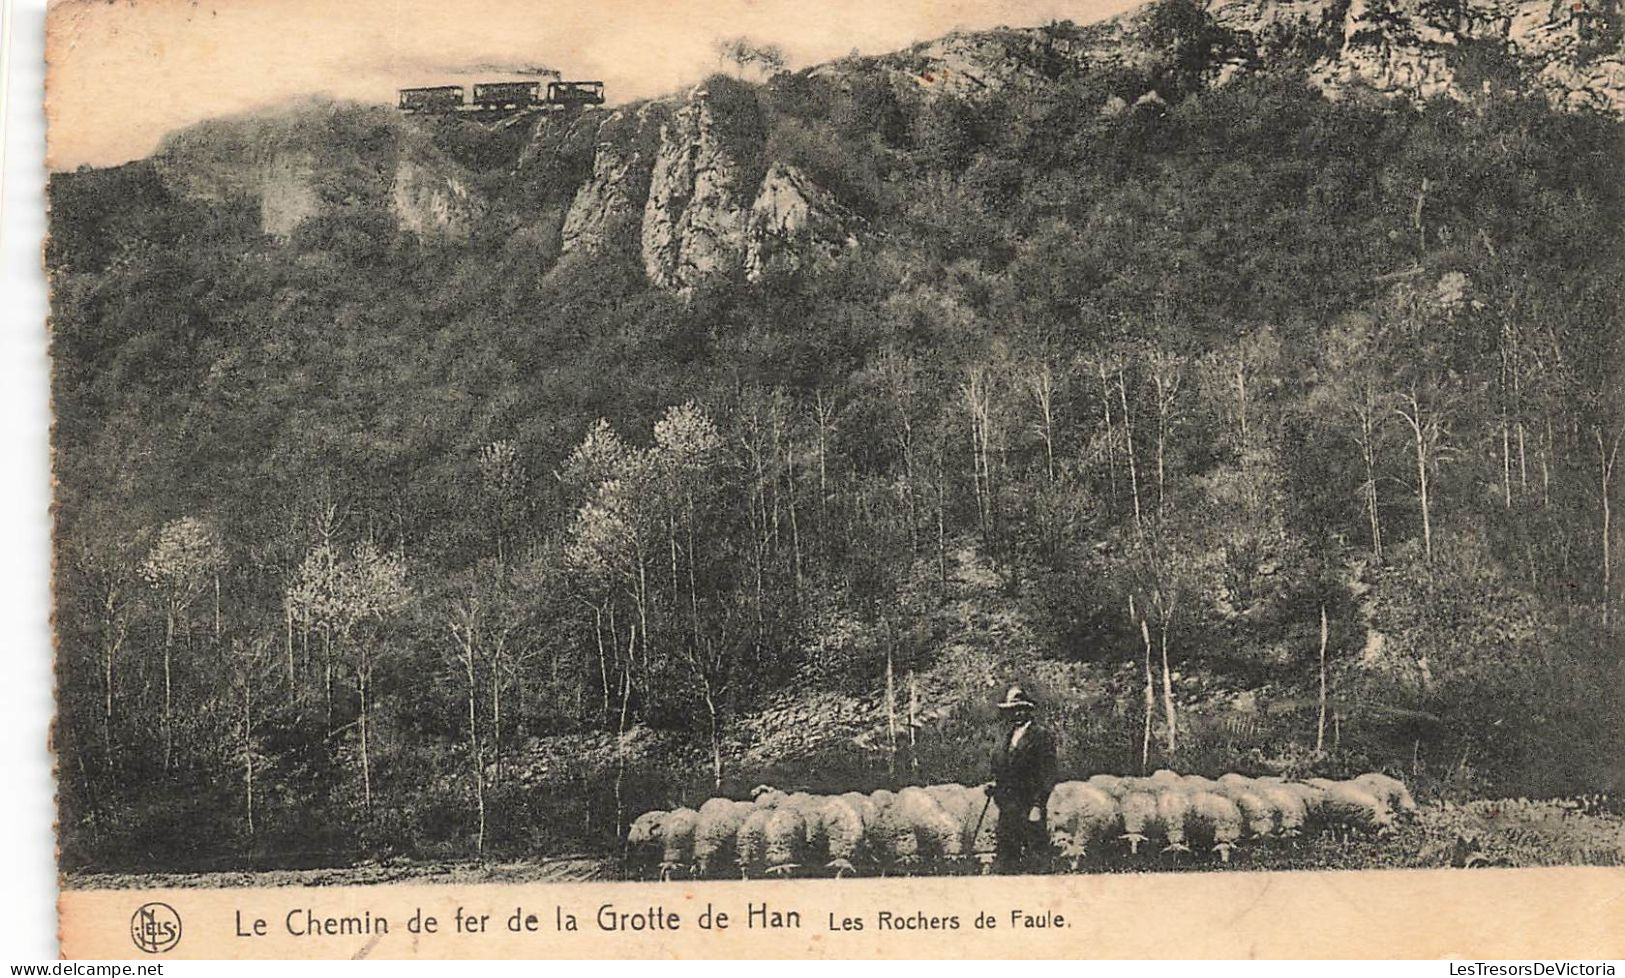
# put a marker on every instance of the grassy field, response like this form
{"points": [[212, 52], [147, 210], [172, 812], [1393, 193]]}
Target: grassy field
{"points": [[1482, 833]]}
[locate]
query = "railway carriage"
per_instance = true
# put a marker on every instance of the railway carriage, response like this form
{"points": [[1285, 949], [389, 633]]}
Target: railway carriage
{"points": [[441, 98], [507, 95]]}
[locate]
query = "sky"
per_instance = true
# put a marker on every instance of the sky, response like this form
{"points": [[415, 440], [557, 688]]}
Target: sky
{"points": [[122, 73]]}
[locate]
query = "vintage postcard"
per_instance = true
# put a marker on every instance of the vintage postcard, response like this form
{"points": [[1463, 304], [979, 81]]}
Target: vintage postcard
{"points": [[744, 478]]}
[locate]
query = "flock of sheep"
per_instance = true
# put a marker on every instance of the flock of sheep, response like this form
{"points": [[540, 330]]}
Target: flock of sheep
{"points": [[942, 827]]}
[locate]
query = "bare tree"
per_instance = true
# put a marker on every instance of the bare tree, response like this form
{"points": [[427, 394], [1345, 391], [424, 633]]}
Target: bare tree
{"points": [[179, 567], [1128, 448], [1425, 416], [745, 54], [1607, 453], [978, 398], [826, 420], [377, 590], [348, 599], [1320, 722], [898, 379], [1167, 372], [1040, 382], [1354, 389], [466, 620], [108, 580], [1103, 371], [252, 667], [687, 445]]}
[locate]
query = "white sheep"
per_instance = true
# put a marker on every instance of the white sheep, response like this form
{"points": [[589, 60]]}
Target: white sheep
{"points": [[941, 834], [717, 833], [645, 829], [767, 796], [1313, 797], [1138, 810], [750, 845], [1390, 790], [954, 798], [877, 821], [1079, 817], [811, 809], [1346, 805], [785, 841], [1173, 804], [973, 810], [1212, 820], [840, 834], [643, 843], [1261, 817], [862, 804], [1291, 807], [1197, 782], [1111, 784], [806, 804], [910, 827], [677, 841], [1164, 778]]}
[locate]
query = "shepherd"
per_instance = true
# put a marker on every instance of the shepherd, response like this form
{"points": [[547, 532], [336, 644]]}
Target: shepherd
{"points": [[1023, 775]]}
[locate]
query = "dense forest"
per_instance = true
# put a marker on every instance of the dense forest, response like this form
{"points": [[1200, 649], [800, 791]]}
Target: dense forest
{"points": [[1252, 429]]}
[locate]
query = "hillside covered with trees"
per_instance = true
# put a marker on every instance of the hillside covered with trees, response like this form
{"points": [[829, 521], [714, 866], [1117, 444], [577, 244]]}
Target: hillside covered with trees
{"points": [[1253, 429]]}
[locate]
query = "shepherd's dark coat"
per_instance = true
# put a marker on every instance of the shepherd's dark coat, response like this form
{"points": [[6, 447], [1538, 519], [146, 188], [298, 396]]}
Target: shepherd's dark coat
{"points": [[1023, 776]]}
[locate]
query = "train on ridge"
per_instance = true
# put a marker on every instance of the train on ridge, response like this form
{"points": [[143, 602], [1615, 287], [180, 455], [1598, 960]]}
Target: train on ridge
{"points": [[502, 96]]}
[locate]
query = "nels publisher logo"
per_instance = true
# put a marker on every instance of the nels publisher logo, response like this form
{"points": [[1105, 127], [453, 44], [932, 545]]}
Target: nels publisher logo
{"points": [[155, 928]]}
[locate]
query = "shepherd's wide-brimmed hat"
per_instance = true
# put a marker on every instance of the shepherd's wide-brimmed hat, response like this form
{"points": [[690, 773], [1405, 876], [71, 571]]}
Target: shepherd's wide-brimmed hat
{"points": [[1016, 698]]}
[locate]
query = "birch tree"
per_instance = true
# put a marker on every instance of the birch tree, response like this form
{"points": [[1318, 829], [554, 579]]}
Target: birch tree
{"points": [[1607, 454], [1354, 391], [376, 589], [899, 381], [349, 600], [109, 585], [1041, 386], [179, 567], [687, 444], [253, 668], [1167, 373], [465, 619], [1425, 415]]}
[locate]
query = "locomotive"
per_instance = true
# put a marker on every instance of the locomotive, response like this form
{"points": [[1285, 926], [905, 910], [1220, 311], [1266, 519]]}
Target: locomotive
{"points": [[503, 97], [575, 93]]}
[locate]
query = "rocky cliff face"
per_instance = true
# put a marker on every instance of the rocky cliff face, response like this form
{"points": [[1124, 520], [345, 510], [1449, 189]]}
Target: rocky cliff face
{"points": [[688, 186], [293, 164], [287, 194], [793, 220], [1570, 50], [700, 203], [700, 194], [281, 185], [426, 200], [612, 199]]}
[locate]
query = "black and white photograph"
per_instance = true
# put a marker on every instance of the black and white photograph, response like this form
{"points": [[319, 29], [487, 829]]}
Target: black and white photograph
{"points": [[524, 443]]}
